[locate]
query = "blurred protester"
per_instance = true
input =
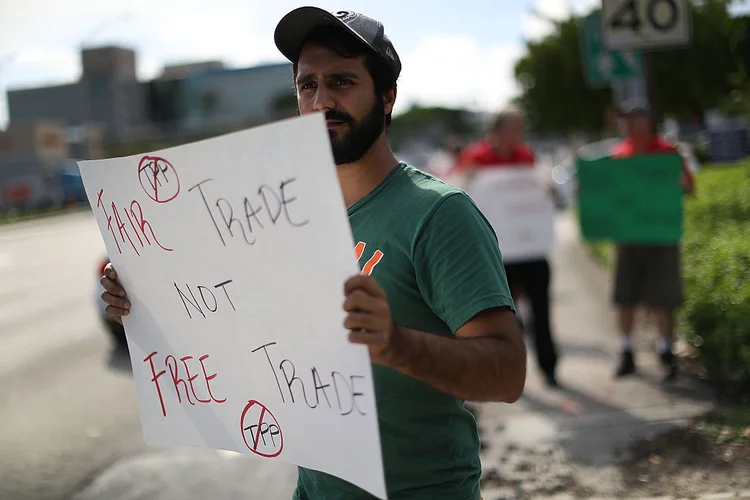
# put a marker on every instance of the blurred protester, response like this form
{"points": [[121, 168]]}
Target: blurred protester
{"points": [[504, 147], [647, 275]]}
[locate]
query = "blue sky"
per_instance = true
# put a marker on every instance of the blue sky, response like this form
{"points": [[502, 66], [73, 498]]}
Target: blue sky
{"points": [[461, 54]]}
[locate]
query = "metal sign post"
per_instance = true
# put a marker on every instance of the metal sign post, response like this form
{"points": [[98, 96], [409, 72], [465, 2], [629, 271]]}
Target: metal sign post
{"points": [[646, 25]]}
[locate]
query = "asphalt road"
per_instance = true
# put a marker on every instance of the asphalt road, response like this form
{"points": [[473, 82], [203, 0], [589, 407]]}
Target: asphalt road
{"points": [[69, 424]]}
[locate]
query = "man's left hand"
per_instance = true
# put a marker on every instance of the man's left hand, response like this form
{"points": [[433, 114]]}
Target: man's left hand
{"points": [[369, 319]]}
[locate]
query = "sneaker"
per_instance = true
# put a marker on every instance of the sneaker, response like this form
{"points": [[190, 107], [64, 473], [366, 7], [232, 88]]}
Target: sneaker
{"points": [[669, 363], [627, 364]]}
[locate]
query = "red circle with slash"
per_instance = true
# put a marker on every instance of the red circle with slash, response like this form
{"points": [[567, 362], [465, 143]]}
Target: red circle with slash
{"points": [[158, 179], [261, 431]]}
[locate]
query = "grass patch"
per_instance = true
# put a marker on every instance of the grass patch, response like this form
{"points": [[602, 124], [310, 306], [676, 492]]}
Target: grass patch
{"points": [[727, 424], [602, 252]]}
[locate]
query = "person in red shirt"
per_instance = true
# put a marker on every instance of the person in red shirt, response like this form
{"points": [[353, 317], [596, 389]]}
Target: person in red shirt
{"points": [[504, 147], [647, 274]]}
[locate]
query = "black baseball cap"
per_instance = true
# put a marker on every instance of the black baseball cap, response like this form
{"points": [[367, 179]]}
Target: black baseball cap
{"points": [[294, 28]]}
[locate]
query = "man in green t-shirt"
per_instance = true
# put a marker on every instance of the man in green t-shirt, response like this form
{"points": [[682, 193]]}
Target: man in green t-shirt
{"points": [[432, 301]]}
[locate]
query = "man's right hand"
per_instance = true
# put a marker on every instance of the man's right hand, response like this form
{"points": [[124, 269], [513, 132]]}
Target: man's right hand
{"points": [[114, 296]]}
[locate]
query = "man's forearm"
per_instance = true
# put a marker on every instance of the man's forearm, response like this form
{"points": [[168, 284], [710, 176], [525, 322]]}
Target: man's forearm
{"points": [[475, 369]]}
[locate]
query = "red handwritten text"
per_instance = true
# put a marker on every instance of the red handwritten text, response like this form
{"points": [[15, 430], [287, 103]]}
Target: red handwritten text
{"points": [[183, 379], [134, 229]]}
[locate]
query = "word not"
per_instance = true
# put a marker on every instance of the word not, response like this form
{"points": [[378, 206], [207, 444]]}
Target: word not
{"points": [[158, 179], [171, 364], [341, 386], [138, 223], [258, 423], [210, 302], [271, 205]]}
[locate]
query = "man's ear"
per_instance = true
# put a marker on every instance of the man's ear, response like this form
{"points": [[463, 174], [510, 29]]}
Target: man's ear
{"points": [[389, 99]]}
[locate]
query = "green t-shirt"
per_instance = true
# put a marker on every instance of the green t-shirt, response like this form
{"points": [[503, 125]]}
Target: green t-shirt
{"points": [[437, 258]]}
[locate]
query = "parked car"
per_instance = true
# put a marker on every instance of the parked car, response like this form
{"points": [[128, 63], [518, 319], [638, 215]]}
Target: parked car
{"points": [[72, 190], [116, 330]]}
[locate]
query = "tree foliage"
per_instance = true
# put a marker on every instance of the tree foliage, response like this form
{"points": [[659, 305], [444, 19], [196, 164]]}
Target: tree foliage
{"points": [[555, 96], [431, 123], [285, 105], [711, 72], [704, 74]]}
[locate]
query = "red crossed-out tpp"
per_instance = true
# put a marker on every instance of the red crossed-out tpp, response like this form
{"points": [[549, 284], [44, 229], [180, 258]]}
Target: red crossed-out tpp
{"points": [[158, 179], [261, 431]]}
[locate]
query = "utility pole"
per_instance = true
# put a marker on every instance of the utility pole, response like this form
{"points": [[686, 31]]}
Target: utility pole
{"points": [[652, 87]]}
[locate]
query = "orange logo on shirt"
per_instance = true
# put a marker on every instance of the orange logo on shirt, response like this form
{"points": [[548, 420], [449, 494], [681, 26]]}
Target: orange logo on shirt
{"points": [[370, 264]]}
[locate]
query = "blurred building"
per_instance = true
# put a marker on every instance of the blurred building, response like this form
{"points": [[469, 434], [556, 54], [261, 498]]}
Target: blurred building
{"points": [[34, 156], [49, 127], [43, 139], [185, 98], [51, 139], [174, 71], [107, 94], [229, 97]]}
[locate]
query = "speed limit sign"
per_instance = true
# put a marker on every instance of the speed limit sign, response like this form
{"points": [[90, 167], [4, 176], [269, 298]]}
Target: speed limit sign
{"points": [[645, 24]]}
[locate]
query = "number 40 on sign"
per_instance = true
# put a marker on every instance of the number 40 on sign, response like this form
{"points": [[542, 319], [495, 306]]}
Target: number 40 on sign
{"points": [[645, 24]]}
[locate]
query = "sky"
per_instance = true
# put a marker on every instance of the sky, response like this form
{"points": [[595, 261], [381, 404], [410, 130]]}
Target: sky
{"points": [[459, 55]]}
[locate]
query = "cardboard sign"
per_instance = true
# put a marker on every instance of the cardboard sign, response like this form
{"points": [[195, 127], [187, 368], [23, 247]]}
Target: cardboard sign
{"points": [[519, 207], [234, 252], [631, 200]]}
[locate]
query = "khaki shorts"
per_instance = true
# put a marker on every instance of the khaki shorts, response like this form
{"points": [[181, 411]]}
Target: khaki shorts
{"points": [[648, 275]]}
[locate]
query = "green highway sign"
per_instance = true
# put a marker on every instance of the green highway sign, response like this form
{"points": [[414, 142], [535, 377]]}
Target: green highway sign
{"points": [[602, 66]]}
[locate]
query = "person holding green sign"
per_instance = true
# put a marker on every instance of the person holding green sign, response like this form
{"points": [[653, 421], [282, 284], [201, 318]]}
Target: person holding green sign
{"points": [[647, 274]]}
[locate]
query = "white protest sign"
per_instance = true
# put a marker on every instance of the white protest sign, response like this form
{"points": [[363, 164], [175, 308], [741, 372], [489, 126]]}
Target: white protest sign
{"points": [[234, 252], [519, 207]]}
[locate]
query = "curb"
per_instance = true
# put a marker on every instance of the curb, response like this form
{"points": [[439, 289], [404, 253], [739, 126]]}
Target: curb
{"points": [[712, 496], [489, 495]]}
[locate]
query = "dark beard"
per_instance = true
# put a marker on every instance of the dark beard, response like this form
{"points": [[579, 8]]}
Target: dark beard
{"points": [[352, 145]]}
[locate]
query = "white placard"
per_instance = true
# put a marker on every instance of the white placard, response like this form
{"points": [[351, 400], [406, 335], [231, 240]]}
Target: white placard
{"points": [[645, 24], [519, 206], [234, 252]]}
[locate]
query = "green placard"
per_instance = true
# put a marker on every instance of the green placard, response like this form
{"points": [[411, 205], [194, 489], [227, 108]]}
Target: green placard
{"points": [[631, 200]]}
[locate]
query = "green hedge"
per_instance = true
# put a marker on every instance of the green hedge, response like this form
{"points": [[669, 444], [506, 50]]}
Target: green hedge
{"points": [[716, 263]]}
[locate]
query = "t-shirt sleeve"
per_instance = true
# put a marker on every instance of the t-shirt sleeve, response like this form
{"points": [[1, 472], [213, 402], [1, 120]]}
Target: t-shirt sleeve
{"points": [[458, 265]]}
